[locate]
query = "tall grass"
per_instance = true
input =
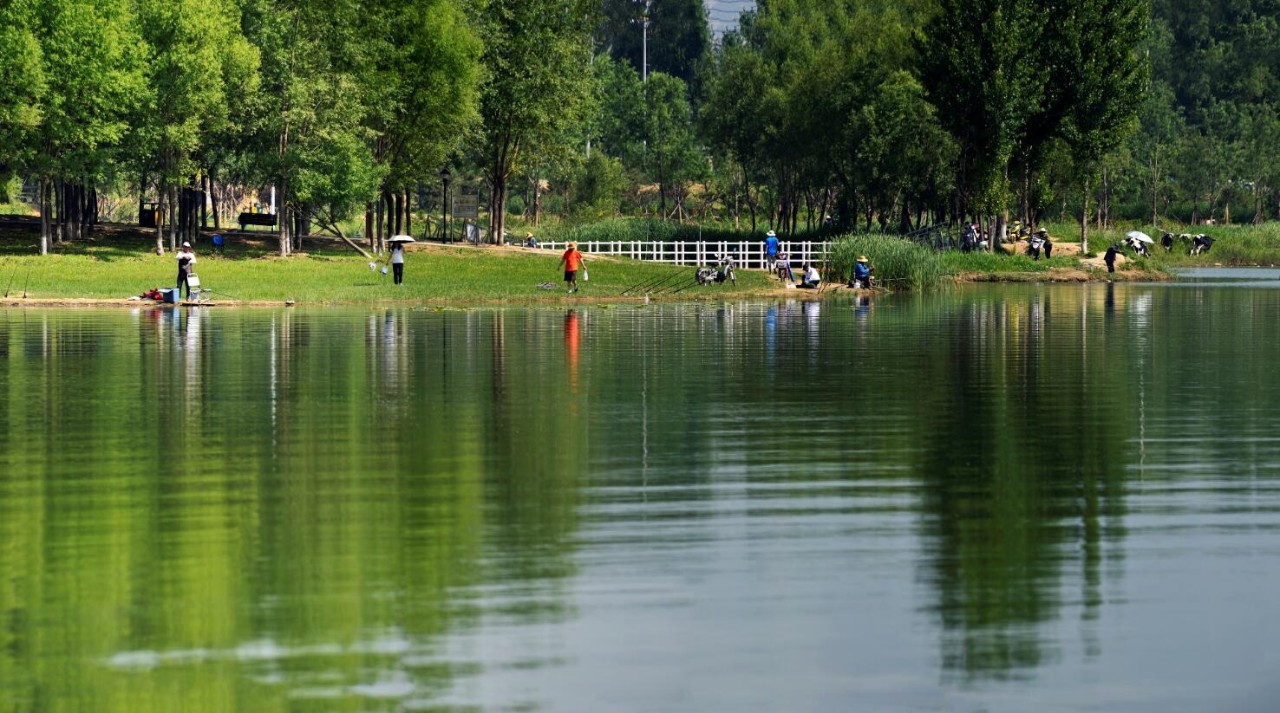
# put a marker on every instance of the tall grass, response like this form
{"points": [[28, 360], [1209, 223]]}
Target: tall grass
{"points": [[983, 261], [898, 263]]}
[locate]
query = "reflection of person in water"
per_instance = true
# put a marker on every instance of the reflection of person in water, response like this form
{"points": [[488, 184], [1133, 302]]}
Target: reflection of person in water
{"points": [[571, 340]]}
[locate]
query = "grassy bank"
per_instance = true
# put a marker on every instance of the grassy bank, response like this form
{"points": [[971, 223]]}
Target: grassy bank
{"points": [[120, 263]]}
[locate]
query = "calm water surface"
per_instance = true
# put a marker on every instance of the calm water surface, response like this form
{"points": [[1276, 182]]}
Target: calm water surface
{"points": [[1057, 498]]}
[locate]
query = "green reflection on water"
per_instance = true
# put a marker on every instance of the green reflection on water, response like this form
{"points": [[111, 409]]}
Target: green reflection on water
{"points": [[226, 512], [345, 510]]}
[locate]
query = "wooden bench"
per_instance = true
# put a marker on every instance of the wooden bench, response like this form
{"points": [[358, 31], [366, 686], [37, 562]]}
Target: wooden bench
{"points": [[268, 219]]}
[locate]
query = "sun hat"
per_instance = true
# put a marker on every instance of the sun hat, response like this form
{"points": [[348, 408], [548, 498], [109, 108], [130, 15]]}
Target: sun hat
{"points": [[862, 258], [186, 245], [528, 235], [573, 244], [771, 234]]}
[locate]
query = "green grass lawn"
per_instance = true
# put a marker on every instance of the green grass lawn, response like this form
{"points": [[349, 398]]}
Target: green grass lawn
{"points": [[117, 264]]}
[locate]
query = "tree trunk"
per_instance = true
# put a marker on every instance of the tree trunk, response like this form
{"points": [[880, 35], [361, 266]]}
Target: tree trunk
{"points": [[302, 226], [537, 200], [1155, 191], [159, 217], [377, 235], [175, 228], [213, 202], [368, 224], [408, 213], [94, 217], [397, 208], [284, 220], [59, 208], [44, 216], [1084, 219], [498, 222], [1257, 201]]}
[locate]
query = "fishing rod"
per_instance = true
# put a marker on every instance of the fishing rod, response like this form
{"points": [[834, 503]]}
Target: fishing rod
{"points": [[682, 289], [9, 288], [643, 284], [667, 287], [650, 284], [26, 282], [230, 297], [663, 283]]}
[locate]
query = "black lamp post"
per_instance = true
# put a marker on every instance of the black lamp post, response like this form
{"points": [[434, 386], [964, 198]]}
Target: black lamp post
{"points": [[444, 201]]}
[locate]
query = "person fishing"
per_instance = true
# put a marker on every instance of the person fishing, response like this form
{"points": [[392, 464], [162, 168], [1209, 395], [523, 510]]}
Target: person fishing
{"points": [[572, 261], [1110, 257], [186, 267], [862, 270], [811, 279]]}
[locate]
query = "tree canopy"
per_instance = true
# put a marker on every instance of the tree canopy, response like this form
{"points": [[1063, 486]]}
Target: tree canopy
{"points": [[807, 113]]}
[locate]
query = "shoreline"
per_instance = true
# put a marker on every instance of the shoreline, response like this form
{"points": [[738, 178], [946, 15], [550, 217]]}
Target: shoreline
{"points": [[1052, 276]]}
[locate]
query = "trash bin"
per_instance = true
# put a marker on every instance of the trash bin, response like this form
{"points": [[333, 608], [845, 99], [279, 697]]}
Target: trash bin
{"points": [[170, 295]]}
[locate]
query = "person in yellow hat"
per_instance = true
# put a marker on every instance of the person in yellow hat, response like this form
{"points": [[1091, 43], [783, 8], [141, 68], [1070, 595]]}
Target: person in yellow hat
{"points": [[862, 270], [530, 241]]}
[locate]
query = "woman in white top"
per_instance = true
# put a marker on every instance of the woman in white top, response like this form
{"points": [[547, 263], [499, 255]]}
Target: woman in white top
{"points": [[186, 266], [397, 261]]}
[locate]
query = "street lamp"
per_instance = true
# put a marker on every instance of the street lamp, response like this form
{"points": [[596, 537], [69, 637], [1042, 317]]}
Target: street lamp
{"points": [[444, 201]]}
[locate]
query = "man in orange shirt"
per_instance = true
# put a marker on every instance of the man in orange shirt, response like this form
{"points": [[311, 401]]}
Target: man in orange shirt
{"points": [[572, 261]]}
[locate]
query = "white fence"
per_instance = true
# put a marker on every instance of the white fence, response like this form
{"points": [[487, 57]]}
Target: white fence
{"points": [[747, 254]]}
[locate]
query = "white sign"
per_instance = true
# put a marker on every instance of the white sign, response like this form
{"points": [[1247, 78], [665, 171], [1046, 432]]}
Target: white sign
{"points": [[466, 207]]}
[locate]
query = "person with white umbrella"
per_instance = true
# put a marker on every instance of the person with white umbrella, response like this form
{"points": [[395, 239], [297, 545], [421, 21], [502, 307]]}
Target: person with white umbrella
{"points": [[395, 256]]}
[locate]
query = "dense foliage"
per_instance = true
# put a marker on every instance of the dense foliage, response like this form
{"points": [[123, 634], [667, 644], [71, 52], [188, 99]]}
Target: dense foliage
{"points": [[810, 115]]}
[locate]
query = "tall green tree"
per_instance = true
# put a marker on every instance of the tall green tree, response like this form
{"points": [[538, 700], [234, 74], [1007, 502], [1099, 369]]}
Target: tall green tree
{"points": [[980, 65], [1156, 141], [93, 62], [199, 62], [22, 82], [675, 41], [420, 71], [307, 136], [537, 53], [674, 157], [1096, 38]]}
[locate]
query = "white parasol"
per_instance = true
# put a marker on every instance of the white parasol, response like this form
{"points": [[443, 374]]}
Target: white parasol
{"points": [[401, 239], [1135, 234]]}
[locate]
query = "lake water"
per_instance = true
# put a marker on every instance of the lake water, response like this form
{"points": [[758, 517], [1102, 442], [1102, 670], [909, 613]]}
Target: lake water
{"points": [[1018, 498]]}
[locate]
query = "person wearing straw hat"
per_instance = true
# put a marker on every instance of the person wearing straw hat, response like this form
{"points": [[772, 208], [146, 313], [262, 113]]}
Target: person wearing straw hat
{"points": [[572, 261], [1043, 234], [530, 241], [862, 273], [186, 267]]}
